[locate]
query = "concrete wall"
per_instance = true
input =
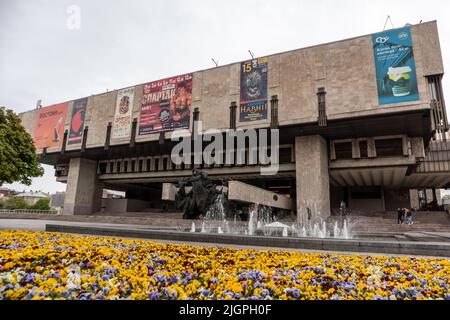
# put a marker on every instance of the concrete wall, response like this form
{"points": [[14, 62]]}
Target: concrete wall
{"points": [[396, 199], [345, 68]]}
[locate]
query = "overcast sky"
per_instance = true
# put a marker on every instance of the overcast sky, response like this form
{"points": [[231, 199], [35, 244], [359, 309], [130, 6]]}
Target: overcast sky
{"points": [[43, 55]]}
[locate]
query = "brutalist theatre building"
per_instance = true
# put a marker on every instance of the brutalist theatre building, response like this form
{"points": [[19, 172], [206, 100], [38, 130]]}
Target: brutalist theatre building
{"points": [[360, 120]]}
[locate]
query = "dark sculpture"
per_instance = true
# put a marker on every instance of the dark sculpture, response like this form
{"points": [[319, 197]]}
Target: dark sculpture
{"points": [[203, 196], [196, 202]]}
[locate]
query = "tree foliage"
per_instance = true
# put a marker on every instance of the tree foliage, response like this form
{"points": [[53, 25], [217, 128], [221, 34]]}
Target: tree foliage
{"points": [[18, 160], [41, 204], [15, 203]]}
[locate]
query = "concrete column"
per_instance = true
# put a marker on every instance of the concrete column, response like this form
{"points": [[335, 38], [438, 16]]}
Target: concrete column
{"points": [[414, 196], [84, 190], [313, 184]]}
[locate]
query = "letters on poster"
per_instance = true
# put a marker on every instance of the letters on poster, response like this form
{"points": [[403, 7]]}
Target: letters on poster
{"points": [[166, 105], [395, 66], [77, 121], [123, 115], [253, 105], [49, 129]]}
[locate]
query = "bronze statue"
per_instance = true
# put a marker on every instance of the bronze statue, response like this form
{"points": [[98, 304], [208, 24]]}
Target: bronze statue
{"points": [[203, 194]]}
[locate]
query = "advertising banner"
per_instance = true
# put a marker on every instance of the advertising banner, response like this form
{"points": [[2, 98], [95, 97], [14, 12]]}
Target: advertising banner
{"points": [[395, 66], [49, 129], [166, 105], [253, 104], [77, 121], [124, 111]]}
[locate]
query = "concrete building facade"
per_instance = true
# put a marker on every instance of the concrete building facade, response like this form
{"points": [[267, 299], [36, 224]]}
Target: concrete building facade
{"points": [[338, 142]]}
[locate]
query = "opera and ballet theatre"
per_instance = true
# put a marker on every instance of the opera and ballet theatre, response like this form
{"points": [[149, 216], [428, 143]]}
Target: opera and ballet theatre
{"points": [[360, 121]]}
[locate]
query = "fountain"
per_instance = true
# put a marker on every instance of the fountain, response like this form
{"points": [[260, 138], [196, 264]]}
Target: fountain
{"points": [[345, 233], [251, 227], [203, 227], [210, 203]]}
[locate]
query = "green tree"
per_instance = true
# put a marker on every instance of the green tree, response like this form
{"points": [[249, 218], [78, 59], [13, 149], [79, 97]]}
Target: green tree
{"points": [[18, 160], [15, 203], [41, 204]]}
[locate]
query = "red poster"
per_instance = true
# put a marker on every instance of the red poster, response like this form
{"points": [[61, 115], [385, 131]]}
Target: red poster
{"points": [[49, 129], [166, 105]]}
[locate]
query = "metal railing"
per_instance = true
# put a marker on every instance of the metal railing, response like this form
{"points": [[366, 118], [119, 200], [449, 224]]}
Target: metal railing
{"points": [[28, 211]]}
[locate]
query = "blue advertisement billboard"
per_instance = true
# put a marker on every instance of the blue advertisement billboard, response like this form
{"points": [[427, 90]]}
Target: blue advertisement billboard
{"points": [[253, 106], [395, 66]]}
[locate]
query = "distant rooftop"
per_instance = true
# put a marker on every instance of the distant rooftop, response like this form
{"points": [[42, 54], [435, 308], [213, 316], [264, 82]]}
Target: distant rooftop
{"points": [[33, 194]]}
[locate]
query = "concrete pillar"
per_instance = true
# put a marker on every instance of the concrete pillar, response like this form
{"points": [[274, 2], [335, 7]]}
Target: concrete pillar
{"points": [[84, 190], [414, 197], [313, 182]]}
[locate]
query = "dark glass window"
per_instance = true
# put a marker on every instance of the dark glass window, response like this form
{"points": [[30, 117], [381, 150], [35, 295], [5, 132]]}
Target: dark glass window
{"points": [[366, 193], [102, 168], [149, 163], [285, 155], [343, 150], [389, 147], [363, 149], [322, 107]]}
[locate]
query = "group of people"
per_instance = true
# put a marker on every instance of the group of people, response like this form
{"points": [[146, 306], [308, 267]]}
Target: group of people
{"points": [[404, 216]]}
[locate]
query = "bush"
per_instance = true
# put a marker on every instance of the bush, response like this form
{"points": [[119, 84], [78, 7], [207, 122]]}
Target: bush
{"points": [[15, 203], [41, 204], [2, 204]]}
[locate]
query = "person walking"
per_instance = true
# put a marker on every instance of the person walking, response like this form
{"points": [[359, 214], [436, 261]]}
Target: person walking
{"points": [[409, 217], [400, 215]]}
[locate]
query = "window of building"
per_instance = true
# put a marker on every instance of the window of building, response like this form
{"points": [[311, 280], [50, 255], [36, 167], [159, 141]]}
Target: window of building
{"points": [[343, 150], [389, 147], [233, 108], [363, 152], [438, 111], [285, 155], [102, 167], [274, 112], [322, 107]]}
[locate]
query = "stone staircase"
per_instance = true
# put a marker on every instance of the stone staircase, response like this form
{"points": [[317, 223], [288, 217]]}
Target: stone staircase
{"points": [[387, 223]]}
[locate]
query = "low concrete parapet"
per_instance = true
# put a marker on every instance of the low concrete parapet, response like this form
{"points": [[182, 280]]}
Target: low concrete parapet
{"points": [[360, 246]]}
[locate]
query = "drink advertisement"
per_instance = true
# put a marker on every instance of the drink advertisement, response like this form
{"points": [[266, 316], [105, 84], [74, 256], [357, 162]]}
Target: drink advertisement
{"points": [[124, 111], [253, 106], [395, 66], [77, 121], [166, 105], [49, 129]]}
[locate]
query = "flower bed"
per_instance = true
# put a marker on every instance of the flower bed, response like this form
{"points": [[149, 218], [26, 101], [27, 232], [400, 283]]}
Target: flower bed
{"points": [[37, 265]]}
